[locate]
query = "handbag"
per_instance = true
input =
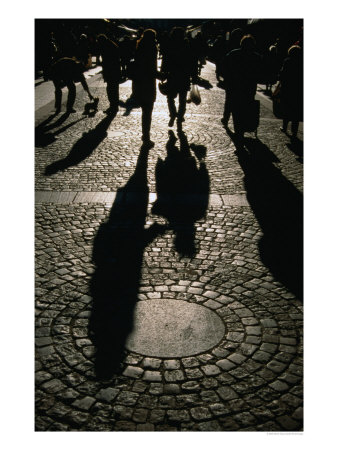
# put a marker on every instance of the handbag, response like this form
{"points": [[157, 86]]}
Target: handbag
{"points": [[277, 108], [194, 95], [163, 87]]}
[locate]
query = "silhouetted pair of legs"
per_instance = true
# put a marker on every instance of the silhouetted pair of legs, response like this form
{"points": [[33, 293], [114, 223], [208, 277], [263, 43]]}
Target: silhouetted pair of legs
{"points": [[113, 96], [227, 110], [182, 103], [294, 127], [147, 110], [58, 95]]}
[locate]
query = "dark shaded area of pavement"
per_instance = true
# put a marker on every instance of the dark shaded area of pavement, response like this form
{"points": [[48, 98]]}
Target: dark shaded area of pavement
{"points": [[182, 191], [296, 146], [118, 256], [43, 134], [278, 207], [204, 83], [83, 148]]}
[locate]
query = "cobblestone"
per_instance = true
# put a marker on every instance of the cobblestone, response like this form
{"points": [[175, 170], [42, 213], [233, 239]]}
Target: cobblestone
{"points": [[252, 378]]}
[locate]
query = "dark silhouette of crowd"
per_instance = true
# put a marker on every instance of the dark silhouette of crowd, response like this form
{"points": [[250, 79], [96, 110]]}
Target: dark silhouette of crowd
{"points": [[240, 65]]}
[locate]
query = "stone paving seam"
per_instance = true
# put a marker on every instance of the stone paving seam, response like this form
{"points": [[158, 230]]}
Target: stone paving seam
{"points": [[215, 200]]}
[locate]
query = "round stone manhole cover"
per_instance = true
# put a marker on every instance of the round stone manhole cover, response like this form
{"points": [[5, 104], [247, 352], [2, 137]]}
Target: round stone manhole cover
{"points": [[174, 328]]}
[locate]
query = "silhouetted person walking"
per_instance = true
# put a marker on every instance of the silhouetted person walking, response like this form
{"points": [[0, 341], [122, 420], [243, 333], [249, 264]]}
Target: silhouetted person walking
{"points": [[233, 43], [217, 53], [271, 68], [111, 70], [83, 51], [179, 67], [127, 52], [291, 78], [242, 73], [67, 71], [144, 80], [199, 49]]}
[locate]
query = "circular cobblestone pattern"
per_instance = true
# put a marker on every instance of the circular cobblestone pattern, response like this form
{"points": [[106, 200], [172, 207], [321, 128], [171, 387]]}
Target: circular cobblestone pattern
{"points": [[169, 328]]}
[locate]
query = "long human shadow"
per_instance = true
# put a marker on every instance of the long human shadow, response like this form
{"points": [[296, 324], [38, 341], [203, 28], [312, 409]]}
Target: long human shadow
{"points": [[83, 148], [43, 137], [296, 146], [118, 255], [278, 207], [182, 186]]}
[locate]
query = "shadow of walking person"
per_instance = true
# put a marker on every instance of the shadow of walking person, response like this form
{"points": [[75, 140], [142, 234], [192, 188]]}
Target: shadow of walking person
{"points": [[43, 137], [118, 255], [83, 148], [278, 207], [182, 191]]}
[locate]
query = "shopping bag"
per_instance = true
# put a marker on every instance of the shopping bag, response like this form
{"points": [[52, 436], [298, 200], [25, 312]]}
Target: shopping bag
{"points": [[194, 95]]}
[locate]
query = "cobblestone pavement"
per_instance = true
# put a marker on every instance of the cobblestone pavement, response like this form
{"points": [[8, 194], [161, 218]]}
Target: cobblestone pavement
{"points": [[233, 246]]}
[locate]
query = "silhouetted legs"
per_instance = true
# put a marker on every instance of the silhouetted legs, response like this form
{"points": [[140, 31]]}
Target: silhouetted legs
{"points": [[147, 110], [182, 103], [227, 110], [58, 95], [71, 95], [294, 127], [113, 95]]}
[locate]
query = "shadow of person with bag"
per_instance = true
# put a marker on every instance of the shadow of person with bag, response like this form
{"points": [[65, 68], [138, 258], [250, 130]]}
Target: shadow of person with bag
{"points": [[278, 207], [182, 187], [118, 255], [83, 148]]}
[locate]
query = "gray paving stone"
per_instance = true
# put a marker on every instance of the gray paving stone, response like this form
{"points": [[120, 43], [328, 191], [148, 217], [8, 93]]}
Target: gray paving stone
{"points": [[152, 375], [171, 364], [227, 393], [107, 394], [84, 403], [225, 364], [134, 372], [174, 375], [200, 413], [288, 423]]}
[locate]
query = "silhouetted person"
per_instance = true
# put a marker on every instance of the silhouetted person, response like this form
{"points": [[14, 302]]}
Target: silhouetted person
{"points": [[83, 53], [164, 40], [291, 78], [271, 67], [67, 71], [48, 53], [218, 50], [233, 43], [111, 70], [242, 73], [66, 41], [199, 50], [127, 50], [144, 80], [179, 67]]}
